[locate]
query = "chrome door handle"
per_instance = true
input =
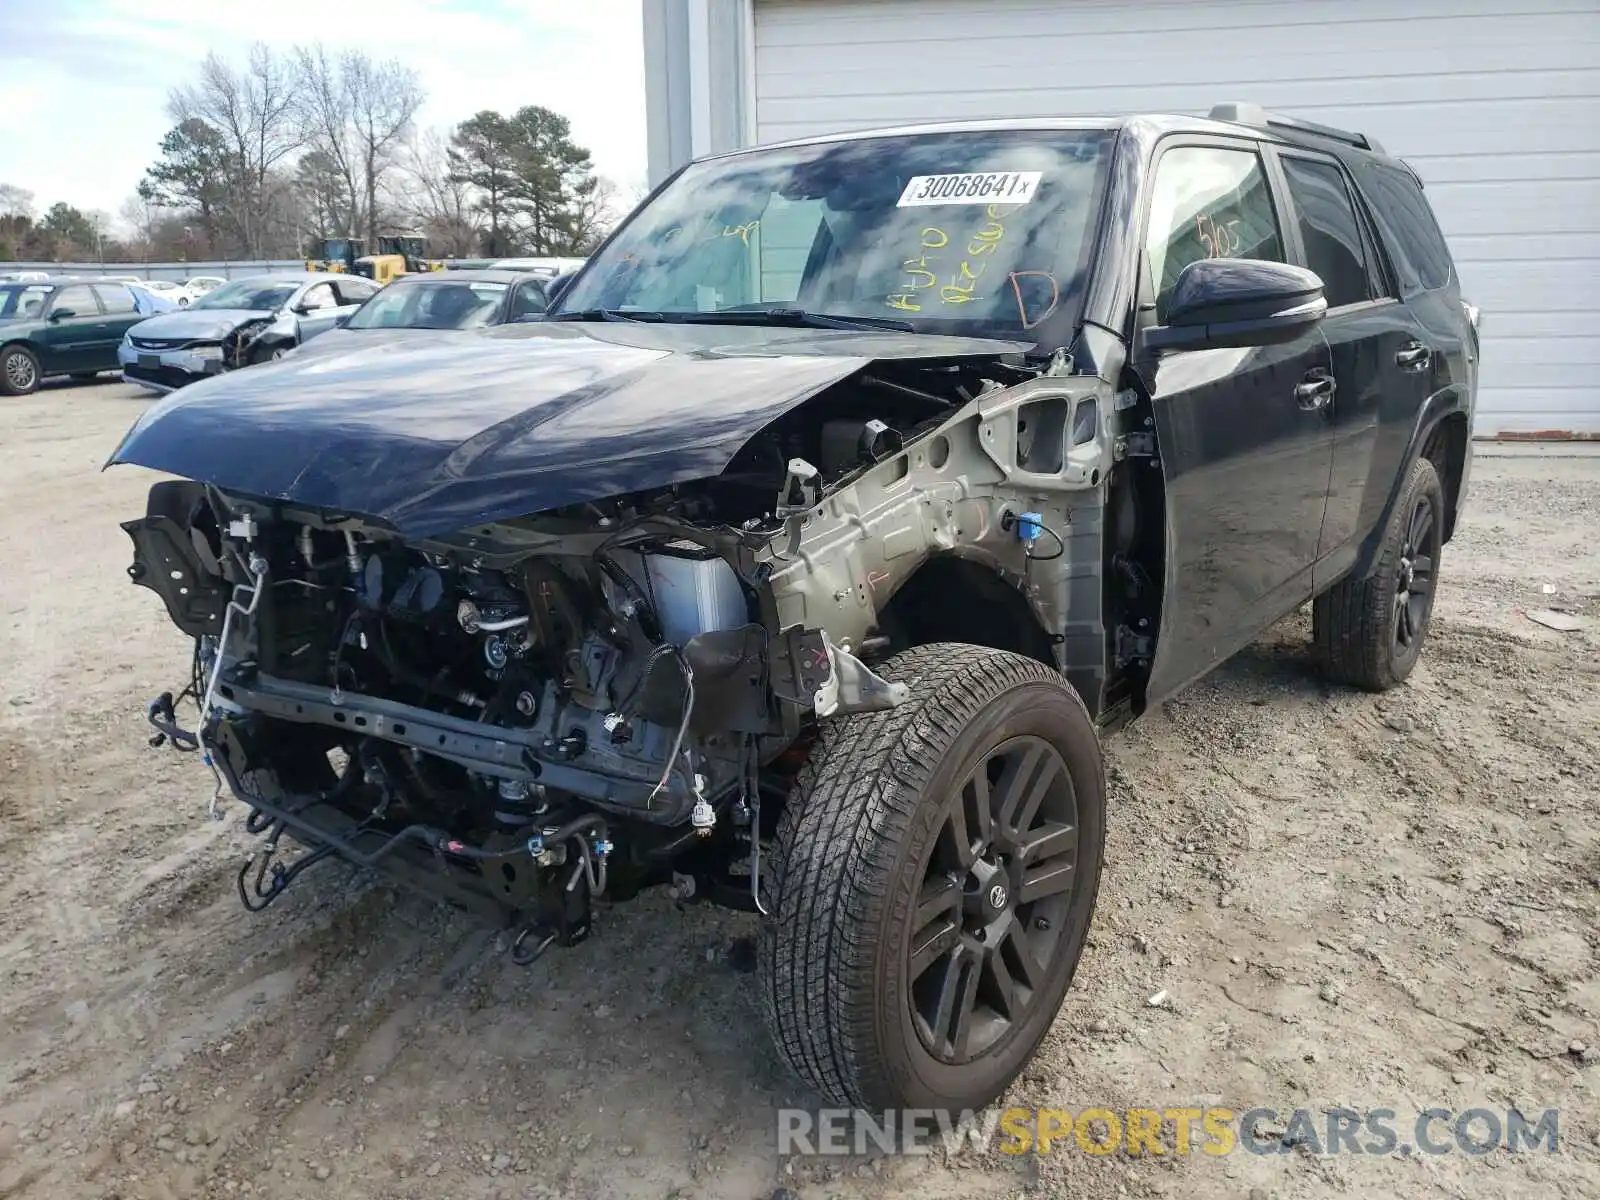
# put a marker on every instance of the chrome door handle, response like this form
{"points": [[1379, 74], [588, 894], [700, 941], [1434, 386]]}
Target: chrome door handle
{"points": [[1316, 391], [1413, 356]]}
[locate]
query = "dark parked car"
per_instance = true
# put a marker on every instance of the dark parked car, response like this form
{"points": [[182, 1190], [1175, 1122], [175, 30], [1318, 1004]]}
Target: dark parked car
{"points": [[242, 323], [800, 556], [61, 327], [437, 301]]}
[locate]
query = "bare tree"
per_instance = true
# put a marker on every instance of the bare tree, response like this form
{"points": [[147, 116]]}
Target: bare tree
{"points": [[596, 211], [384, 98], [431, 197], [254, 109], [15, 201], [141, 218], [327, 121], [357, 112]]}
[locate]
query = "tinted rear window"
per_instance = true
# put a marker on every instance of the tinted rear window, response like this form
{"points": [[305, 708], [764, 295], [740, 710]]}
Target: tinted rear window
{"points": [[1409, 228]]}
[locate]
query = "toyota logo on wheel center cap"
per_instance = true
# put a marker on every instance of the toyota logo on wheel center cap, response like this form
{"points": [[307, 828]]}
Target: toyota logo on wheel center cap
{"points": [[997, 896]]}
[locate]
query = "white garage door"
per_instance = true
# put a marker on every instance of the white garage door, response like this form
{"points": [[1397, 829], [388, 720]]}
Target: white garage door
{"points": [[1496, 103]]}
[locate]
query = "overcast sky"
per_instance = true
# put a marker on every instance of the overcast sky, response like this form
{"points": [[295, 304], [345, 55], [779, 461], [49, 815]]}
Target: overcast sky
{"points": [[83, 83]]}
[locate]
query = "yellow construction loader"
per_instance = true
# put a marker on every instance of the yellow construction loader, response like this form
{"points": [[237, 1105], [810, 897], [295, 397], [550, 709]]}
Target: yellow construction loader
{"points": [[336, 254], [398, 254]]}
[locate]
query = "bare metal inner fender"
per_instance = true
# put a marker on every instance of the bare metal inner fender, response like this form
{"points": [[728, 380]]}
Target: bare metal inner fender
{"points": [[957, 491]]}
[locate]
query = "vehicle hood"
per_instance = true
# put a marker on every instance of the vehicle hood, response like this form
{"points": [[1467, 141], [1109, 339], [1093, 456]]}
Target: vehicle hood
{"points": [[197, 324], [357, 344], [432, 436]]}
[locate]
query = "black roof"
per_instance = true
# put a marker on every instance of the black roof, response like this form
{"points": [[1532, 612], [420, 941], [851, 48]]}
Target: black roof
{"points": [[1232, 118]]}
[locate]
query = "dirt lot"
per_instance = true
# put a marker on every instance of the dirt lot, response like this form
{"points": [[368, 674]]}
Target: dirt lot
{"points": [[1347, 900]]}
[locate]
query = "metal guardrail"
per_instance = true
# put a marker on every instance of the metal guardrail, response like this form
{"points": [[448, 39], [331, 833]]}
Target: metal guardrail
{"points": [[175, 271]]}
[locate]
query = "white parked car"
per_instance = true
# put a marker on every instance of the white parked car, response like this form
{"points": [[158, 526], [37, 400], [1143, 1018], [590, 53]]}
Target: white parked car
{"points": [[199, 285], [178, 293]]}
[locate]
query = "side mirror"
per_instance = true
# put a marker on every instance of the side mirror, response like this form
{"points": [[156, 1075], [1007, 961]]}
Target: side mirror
{"points": [[343, 318], [1223, 302], [61, 314]]}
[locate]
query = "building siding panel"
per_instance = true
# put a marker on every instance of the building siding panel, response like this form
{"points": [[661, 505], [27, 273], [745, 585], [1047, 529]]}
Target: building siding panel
{"points": [[1497, 105]]}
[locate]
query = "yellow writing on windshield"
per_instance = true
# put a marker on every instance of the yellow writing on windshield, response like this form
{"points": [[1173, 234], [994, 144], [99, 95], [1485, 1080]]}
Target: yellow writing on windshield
{"points": [[957, 279]]}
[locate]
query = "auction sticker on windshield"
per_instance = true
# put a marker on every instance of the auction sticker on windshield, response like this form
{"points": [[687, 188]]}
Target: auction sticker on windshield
{"points": [[975, 187]]}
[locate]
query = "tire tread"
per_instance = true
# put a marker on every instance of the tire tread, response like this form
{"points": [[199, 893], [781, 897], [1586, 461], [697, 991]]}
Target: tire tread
{"points": [[835, 850], [1350, 621]]}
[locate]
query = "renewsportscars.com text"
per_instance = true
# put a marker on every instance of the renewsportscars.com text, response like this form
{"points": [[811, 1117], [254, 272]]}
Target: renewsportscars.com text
{"points": [[1170, 1130]]}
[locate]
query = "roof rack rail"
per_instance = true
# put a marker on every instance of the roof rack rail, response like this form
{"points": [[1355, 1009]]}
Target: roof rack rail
{"points": [[1259, 118]]}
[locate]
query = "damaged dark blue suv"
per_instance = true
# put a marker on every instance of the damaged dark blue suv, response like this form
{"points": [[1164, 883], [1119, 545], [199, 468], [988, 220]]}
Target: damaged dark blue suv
{"points": [[799, 559]]}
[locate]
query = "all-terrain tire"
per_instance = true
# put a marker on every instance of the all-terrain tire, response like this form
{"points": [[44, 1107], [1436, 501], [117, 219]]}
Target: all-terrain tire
{"points": [[19, 371], [1357, 624], [852, 853]]}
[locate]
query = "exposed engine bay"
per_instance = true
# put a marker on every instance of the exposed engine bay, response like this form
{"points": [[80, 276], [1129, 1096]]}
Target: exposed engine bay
{"points": [[529, 713]]}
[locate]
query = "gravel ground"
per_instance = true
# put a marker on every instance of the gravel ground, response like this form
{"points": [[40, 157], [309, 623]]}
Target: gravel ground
{"points": [[1347, 900]]}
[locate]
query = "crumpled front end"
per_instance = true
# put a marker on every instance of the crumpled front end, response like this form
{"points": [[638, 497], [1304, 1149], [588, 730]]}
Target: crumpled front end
{"points": [[489, 714], [525, 712]]}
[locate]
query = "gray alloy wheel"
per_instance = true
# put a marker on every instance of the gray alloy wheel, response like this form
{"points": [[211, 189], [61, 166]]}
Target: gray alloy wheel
{"points": [[1369, 632], [19, 371], [934, 874]]}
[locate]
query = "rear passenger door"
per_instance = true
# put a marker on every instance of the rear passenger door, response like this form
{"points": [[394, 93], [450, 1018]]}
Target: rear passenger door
{"points": [[120, 315], [1380, 357]]}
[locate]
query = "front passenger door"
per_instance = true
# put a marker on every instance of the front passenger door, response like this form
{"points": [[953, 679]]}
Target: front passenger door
{"points": [[1244, 447], [317, 310], [527, 301], [353, 293], [69, 336]]}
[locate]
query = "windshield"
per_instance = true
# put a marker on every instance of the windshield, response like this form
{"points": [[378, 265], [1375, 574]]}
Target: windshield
{"points": [[22, 301], [971, 232], [430, 305], [262, 295]]}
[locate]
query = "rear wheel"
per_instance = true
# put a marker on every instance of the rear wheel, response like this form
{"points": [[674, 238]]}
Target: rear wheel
{"points": [[936, 871], [19, 371], [1369, 632]]}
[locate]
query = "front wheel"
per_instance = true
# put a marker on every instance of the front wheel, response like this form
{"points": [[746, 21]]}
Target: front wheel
{"points": [[935, 870], [19, 371]]}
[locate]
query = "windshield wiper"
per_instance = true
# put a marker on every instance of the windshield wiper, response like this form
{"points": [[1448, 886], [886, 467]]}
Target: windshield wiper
{"points": [[607, 314], [798, 317]]}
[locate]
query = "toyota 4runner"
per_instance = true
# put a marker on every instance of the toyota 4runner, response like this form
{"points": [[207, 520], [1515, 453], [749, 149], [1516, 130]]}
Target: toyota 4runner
{"points": [[851, 490]]}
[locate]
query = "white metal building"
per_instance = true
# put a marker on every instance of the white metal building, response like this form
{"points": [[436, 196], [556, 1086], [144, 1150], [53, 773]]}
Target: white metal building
{"points": [[1495, 102]]}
